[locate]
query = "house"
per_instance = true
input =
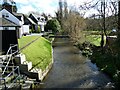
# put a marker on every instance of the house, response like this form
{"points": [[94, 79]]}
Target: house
{"points": [[25, 27], [34, 19], [9, 16], [39, 20], [30, 22], [12, 9], [9, 33]]}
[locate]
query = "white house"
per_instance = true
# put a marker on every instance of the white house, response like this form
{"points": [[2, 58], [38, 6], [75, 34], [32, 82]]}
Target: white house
{"points": [[18, 19], [41, 22], [9, 33], [9, 16], [24, 27]]}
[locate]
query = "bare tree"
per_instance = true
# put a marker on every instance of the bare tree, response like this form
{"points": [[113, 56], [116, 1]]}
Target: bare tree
{"points": [[106, 14], [73, 26]]}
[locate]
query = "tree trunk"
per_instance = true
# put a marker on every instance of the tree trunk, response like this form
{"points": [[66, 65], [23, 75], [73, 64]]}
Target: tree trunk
{"points": [[118, 34]]}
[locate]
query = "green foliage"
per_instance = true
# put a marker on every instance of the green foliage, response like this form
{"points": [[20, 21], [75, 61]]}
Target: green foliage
{"points": [[107, 61], [95, 24], [32, 30], [15, 8], [35, 31], [94, 39], [39, 30], [39, 52], [53, 25]]}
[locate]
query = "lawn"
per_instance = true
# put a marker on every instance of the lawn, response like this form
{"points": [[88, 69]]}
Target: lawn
{"points": [[94, 39], [39, 52], [25, 40]]}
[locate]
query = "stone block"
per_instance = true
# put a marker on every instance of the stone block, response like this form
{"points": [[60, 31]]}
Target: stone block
{"points": [[20, 59]]}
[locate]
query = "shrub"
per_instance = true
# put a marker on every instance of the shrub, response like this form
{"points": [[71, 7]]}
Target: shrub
{"points": [[39, 30], [53, 25]]}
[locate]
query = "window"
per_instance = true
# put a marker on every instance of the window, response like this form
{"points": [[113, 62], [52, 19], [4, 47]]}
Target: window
{"points": [[6, 28], [5, 15]]}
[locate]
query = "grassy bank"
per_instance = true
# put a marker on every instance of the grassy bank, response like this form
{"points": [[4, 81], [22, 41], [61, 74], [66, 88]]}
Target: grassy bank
{"points": [[39, 52], [25, 40], [94, 39]]}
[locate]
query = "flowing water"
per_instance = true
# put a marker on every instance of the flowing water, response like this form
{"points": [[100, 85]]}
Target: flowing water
{"points": [[72, 70]]}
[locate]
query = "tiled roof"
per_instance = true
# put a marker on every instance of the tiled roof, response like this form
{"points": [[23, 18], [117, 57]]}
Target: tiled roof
{"points": [[6, 23]]}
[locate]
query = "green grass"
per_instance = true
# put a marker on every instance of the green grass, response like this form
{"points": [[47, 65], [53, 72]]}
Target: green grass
{"points": [[94, 39], [39, 52], [25, 40]]}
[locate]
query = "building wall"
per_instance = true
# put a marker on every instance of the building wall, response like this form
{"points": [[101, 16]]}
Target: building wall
{"points": [[42, 24], [8, 28], [7, 37], [42, 28], [25, 29]]}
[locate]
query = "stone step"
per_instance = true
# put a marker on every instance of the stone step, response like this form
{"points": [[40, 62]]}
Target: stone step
{"points": [[25, 67], [19, 59]]}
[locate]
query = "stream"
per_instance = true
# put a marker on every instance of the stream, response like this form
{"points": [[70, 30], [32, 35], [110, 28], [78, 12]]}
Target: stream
{"points": [[72, 70]]}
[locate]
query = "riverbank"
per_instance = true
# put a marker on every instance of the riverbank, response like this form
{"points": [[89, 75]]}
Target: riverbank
{"points": [[39, 52], [107, 62], [105, 58]]}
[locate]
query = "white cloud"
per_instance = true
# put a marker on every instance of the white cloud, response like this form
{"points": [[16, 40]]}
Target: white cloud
{"points": [[22, 1], [46, 6], [26, 9]]}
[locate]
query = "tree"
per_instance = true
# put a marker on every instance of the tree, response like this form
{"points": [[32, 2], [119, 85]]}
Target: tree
{"points": [[118, 39], [74, 25], [53, 25], [106, 15]]}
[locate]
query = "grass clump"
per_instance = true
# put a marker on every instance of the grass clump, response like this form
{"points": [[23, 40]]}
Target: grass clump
{"points": [[94, 39], [39, 52]]}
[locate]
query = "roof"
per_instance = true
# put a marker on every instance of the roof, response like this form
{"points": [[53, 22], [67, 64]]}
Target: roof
{"points": [[18, 15], [6, 23], [31, 21], [35, 16]]}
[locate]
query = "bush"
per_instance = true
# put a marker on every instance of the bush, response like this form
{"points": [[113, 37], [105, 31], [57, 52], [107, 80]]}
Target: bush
{"points": [[32, 30], [39, 30], [53, 25], [85, 48]]}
